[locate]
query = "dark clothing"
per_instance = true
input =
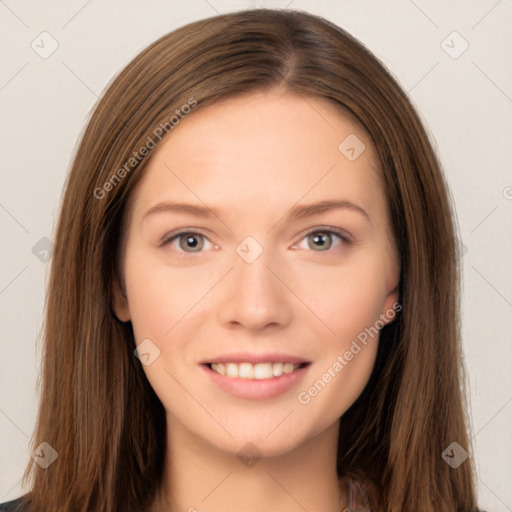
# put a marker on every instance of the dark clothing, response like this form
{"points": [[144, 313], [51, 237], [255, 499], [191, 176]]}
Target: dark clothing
{"points": [[10, 506]]}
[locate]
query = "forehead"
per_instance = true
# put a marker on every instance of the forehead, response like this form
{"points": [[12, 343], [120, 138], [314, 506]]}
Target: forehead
{"points": [[280, 147]]}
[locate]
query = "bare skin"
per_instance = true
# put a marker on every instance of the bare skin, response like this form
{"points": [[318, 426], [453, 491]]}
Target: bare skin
{"points": [[320, 280]]}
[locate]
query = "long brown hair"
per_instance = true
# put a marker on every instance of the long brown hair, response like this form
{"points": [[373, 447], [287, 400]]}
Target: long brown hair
{"points": [[97, 409]]}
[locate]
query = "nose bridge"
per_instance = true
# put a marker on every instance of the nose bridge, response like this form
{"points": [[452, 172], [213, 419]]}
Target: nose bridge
{"points": [[255, 297], [254, 275], [254, 279]]}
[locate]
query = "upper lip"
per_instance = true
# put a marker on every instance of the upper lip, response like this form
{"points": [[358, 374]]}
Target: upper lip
{"points": [[246, 357]]}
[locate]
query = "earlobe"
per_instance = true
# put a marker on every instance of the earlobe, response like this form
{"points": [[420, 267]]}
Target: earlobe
{"points": [[120, 302]]}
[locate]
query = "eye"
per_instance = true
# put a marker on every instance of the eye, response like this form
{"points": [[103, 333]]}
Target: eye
{"points": [[321, 240], [187, 241]]}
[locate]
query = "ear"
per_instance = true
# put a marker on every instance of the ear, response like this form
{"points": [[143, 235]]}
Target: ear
{"points": [[391, 306], [120, 302]]}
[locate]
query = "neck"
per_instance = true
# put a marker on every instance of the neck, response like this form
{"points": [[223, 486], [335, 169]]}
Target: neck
{"points": [[200, 477]]}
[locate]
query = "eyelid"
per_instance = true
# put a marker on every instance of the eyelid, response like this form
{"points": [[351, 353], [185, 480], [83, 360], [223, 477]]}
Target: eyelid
{"points": [[170, 237], [344, 236], [181, 231]]}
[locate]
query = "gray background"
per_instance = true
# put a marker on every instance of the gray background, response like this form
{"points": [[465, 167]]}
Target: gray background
{"points": [[464, 98]]}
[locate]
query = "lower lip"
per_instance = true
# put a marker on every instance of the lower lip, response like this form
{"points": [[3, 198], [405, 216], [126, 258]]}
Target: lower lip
{"points": [[256, 389]]}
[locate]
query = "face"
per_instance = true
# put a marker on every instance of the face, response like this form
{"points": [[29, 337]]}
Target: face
{"points": [[258, 268]]}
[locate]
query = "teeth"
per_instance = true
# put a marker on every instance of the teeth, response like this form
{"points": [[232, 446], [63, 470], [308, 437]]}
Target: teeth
{"points": [[231, 370], [277, 369], [263, 371], [254, 371], [245, 371]]}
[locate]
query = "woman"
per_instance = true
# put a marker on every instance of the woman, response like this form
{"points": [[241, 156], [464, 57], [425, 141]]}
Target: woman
{"points": [[254, 297]]}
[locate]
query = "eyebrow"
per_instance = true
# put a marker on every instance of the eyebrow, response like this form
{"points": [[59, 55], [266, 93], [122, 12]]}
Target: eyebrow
{"points": [[296, 212]]}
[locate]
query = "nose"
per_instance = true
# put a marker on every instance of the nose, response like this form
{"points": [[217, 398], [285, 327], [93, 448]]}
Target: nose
{"points": [[253, 297]]}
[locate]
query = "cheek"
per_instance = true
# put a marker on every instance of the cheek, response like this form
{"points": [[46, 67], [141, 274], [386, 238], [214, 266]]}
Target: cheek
{"points": [[350, 299], [161, 302], [159, 296], [350, 308], [349, 302]]}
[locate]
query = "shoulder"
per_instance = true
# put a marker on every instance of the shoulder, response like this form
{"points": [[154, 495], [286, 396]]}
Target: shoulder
{"points": [[11, 506]]}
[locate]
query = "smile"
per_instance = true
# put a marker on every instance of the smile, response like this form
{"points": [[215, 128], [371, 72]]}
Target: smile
{"points": [[255, 381], [254, 371]]}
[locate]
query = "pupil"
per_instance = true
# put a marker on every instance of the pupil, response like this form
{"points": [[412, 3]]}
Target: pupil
{"points": [[191, 242], [321, 241]]}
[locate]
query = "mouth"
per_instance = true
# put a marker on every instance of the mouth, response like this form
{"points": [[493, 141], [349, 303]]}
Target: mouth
{"points": [[256, 380], [258, 371]]}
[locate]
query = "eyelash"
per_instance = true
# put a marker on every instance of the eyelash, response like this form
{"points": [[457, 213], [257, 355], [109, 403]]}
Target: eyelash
{"points": [[170, 237]]}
